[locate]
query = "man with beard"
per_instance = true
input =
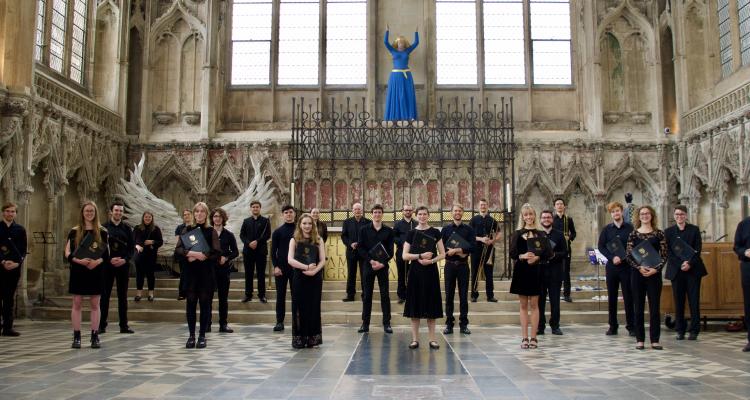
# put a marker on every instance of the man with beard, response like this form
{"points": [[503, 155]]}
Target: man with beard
{"points": [[401, 229], [116, 268], [350, 237], [551, 271], [618, 272]]}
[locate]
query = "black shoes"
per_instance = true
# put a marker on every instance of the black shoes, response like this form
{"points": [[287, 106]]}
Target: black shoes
{"points": [[387, 328], [201, 344], [556, 331], [137, 298], [656, 346], [225, 329], [434, 345], [401, 301], [448, 330], [76, 340], [465, 330], [102, 329], [247, 298], [693, 336], [474, 298], [568, 299], [492, 300], [208, 328], [611, 332], [363, 329], [95, 344], [125, 330], [263, 299], [278, 327], [347, 299], [746, 348], [190, 344], [680, 336], [11, 332], [151, 299], [540, 332]]}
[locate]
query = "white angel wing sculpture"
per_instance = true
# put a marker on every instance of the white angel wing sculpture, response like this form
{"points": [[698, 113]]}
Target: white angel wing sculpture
{"points": [[138, 198], [258, 189]]}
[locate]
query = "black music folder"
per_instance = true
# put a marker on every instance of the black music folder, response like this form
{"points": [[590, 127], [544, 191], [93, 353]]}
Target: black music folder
{"points": [[683, 250], [195, 241], [306, 253], [616, 247], [89, 248], [645, 255], [423, 243], [456, 241]]}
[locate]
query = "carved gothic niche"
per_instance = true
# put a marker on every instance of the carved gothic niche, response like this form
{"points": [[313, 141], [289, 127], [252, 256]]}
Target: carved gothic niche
{"points": [[190, 78], [310, 195], [106, 54], [695, 51], [164, 85], [433, 194], [402, 192], [669, 96], [449, 192], [463, 192], [355, 189], [625, 73], [371, 195]]}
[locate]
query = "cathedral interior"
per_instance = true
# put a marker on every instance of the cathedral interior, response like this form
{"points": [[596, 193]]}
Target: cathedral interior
{"points": [[201, 99]]}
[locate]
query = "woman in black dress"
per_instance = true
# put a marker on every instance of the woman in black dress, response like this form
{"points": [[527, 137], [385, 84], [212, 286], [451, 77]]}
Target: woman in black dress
{"points": [[307, 255], [423, 298], [526, 281], [647, 281], [148, 239], [199, 279], [86, 277]]}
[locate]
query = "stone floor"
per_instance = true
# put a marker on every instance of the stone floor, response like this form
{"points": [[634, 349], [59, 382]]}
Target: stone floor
{"points": [[256, 363]]}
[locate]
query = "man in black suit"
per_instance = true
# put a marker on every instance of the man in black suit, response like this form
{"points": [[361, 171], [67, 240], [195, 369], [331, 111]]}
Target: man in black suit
{"points": [[685, 275], [13, 249], [618, 272], [254, 234], [116, 268], [488, 232], [370, 237], [564, 224], [456, 270], [551, 274], [400, 230], [350, 237], [742, 249]]}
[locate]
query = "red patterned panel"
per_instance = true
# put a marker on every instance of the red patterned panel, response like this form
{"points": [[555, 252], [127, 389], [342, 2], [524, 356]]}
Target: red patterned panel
{"points": [[325, 194], [433, 195], [478, 191], [402, 193], [496, 197], [356, 191], [386, 194], [372, 195], [463, 193], [341, 190], [418, 195], [311, 196], [449, 193]]}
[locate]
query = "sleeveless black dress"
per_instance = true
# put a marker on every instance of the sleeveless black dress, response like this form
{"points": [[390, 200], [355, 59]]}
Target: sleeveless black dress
{"points": [[527, 280], [423, 294]]}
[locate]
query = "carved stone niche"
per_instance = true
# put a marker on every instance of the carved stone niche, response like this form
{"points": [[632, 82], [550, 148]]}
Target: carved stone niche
{"points": [[164, 117], [192, 118], [640, 118], [612, 117]]}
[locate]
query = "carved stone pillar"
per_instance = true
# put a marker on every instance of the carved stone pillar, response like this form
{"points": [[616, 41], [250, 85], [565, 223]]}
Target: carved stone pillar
{"points": [[209, 92]]}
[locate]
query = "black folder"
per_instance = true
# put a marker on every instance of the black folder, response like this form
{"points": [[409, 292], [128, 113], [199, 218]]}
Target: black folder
{"points": [[379, 253], [616, 247], [683, 250], [645, 255], [89, 248], [195, 241], [537, 245], [423, 243], [117, 246], [8, 251], [456, 241], [306, 253]]}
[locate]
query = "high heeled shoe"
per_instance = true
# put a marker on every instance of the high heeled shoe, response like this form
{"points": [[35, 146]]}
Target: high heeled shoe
{"points": [[414, 344], [434, 345], [190, 344], [525, 343]]}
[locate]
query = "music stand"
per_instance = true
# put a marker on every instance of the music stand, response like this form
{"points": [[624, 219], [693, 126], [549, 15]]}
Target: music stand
{"points": [[45, 239]]}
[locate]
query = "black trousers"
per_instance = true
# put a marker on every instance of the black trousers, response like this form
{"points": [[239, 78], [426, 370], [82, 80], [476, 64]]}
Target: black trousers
{"points": [[745, 273], [281, 284], [620, 276], [183, 272], [402, 270], [222, 289], [353, 263], [255, 262], [192, 300], [647, 287], [456, 274], [144, 269], [687, 285], [489, 287], [368, 286], [566, 277], [120, 276], [8, 285], [551, 279]]}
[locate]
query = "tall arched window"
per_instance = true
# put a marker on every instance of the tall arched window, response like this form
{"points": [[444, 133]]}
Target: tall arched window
{"points": [[60, 36], [725, 37]]}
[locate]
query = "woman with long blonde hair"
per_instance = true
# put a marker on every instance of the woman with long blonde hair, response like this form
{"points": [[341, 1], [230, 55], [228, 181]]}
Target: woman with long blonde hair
{"points": [[526, 282], [86, 275], [307, 255]]}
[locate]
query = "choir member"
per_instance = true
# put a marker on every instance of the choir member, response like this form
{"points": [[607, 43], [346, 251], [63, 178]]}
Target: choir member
{"points": [[254, 234], [116, 269], [488, 232], [282, 272], [375, 238], [456, 270], [551, 271], [564, 224], [400, 229], [618, 273], [13, 246], [229, 252], [350, 237], [742, 249]]}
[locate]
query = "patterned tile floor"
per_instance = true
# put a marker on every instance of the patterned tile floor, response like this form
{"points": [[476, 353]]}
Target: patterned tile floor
{"points": [[256, 363]]}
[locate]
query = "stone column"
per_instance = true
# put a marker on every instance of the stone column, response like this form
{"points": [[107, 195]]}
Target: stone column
{"points": [[209, 73]]}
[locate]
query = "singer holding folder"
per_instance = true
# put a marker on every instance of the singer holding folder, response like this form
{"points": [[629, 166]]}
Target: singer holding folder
{"points": [[647, 253], [459, 239], [85, 249], [618, 273], [200, 248], [375, 251]]}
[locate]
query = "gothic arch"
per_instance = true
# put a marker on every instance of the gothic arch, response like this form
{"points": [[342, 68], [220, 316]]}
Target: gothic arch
{"points": [[177, 11], [174, 168], [224, 171], [635, 171]]}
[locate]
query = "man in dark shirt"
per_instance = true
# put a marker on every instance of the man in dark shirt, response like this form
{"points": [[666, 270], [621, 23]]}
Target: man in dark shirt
{"points": [[350, 237], [617, 271], [564, 224], [488, 232], [187, 221], [742, 249], [551, 275], [229, 252], [370, 237], [457, 270], [254, 234], [279, 258], [13, 252], [685, 274], [400, 229], [116, 268], [322, 227]]}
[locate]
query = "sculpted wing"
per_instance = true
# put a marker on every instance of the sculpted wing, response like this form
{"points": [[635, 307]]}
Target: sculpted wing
{"points": [[259, 189], [138, 199]]}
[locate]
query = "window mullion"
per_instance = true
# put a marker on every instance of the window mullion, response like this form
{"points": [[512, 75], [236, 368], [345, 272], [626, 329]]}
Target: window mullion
{"points": [[528, 46], [480, 47]]}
